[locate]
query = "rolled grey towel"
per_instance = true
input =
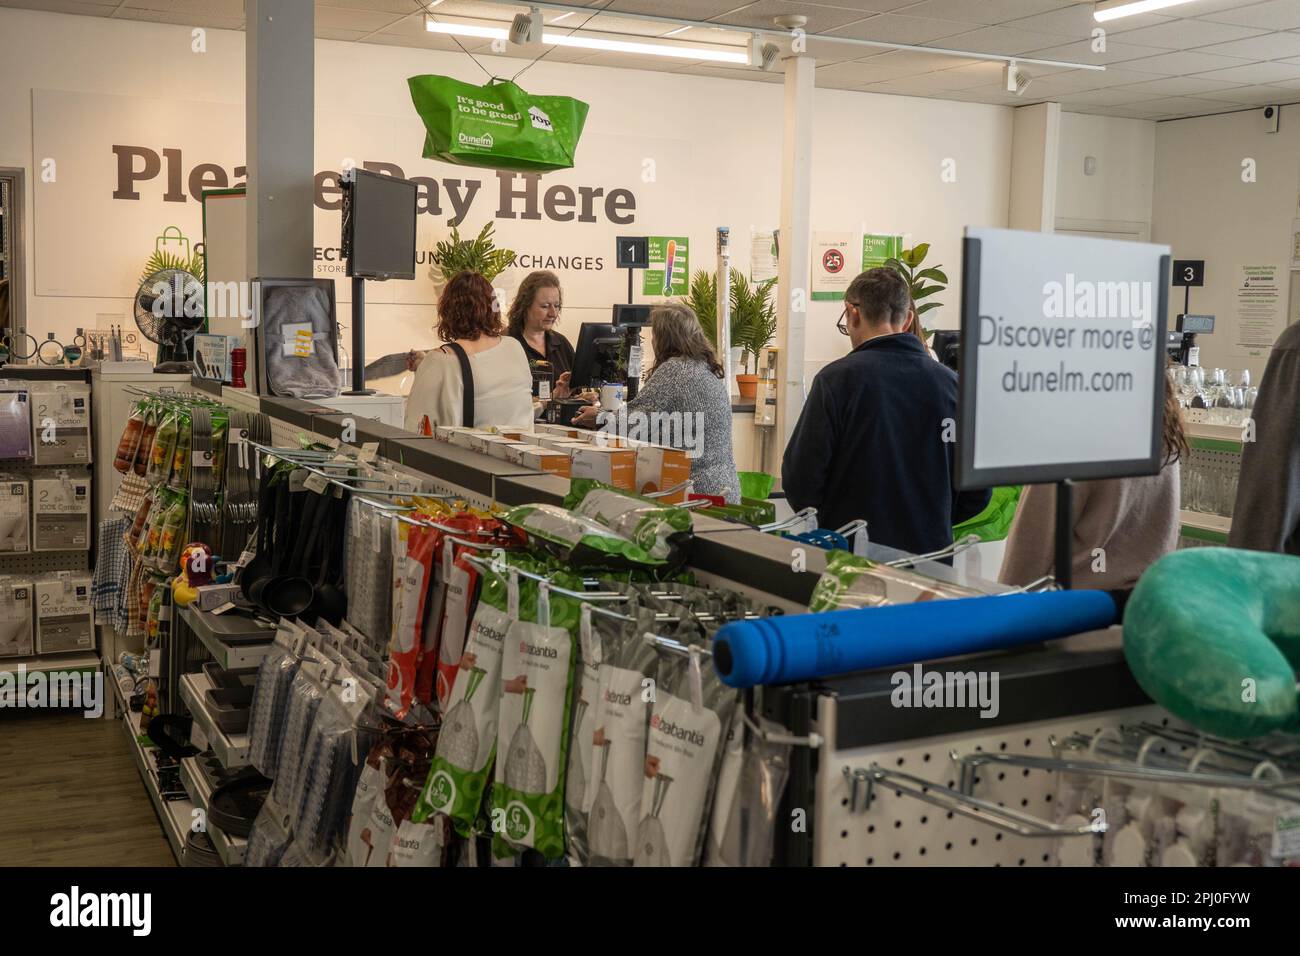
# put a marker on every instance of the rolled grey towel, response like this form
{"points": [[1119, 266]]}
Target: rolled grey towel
{"points": [[387, 366]]}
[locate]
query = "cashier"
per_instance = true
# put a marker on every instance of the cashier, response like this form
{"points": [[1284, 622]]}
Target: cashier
{"points": [[532, 319]]}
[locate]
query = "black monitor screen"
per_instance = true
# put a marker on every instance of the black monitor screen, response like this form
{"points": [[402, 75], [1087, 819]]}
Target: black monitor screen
{"points": [[379, 227]]}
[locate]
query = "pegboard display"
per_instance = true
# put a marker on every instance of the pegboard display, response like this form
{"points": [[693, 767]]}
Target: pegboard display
{"points": [[900, 830], [42, 562]]}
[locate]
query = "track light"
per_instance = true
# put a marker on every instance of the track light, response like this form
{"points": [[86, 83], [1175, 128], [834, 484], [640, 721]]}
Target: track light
{"points": [[526, 28], [1114, 9], [1014, 79], [762, 55]]}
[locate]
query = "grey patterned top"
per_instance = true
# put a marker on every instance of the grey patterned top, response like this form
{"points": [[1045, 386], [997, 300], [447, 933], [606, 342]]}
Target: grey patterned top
{"points": [[695, 414]]}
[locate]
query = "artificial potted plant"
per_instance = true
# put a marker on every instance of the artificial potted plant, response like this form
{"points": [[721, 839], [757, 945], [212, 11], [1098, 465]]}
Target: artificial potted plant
{"points": [[753, 325], [922, 282], [454, 254]]}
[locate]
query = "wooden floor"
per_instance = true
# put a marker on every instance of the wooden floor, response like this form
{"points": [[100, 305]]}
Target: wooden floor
{"points": [[70, 795]]}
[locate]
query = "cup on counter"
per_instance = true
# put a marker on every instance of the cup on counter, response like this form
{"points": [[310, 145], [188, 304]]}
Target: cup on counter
{"points": [[611, 397]]}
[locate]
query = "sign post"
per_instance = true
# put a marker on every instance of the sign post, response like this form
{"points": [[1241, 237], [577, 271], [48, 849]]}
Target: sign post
{"points": [[1062, 364]]}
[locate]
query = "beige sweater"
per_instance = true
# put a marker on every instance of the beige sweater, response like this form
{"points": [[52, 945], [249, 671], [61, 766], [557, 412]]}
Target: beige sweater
{"points": [[1132, 520]]}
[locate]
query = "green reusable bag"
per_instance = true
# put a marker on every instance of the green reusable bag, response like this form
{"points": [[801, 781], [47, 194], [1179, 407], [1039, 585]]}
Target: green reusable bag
{"points": [[497, 126], [994, 522]]}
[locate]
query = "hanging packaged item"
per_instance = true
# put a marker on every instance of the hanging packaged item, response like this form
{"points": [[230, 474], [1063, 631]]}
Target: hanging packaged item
{"points": [[16, 624], [663, 532], [369, 566], [578, 540], [14, 523], [751, 782], [460, 583], [64, 619], [467, 741], [129, 443], [533, 726], [149, 431], [61, 513], [15, 420], [162, 450], [413, 547], [297, 338], [497, 126], [851, 581], [688, 723], [61, 423]]}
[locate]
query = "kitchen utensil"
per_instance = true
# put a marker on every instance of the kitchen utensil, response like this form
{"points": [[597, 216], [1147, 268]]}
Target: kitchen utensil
{"points": [[651, 841], [258, 571], [525, 765], [575, 783], [606, 829], [328, 599], [458, 740]]}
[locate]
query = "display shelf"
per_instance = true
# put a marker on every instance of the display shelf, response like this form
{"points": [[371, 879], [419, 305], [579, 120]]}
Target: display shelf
{"points": [[1201, 521], [230, 849], [175, 815], [211, 629], [231, 750], [64, 661]]}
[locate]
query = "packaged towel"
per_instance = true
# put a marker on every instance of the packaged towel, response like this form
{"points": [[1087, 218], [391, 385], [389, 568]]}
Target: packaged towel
{"points": [[298, 335]]}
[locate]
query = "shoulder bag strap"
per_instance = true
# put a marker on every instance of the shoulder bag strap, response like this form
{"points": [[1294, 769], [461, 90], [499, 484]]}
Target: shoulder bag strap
{"points": [[467, 378]]}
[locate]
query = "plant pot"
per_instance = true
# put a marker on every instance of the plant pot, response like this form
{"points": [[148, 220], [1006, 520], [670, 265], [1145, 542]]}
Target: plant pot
{"points": [[748, 386]]}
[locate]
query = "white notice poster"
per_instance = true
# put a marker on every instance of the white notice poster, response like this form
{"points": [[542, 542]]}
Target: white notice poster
{"points": [[1259, 310], [762, 255], [831, 269]]}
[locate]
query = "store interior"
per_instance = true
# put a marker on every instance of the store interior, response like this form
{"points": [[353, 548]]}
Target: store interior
{"points": [[833, 399]]}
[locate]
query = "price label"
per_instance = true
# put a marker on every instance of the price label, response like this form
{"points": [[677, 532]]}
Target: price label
{"points": [[1286, 836], [634, 362], [228, 606], [197, 737], [370, 451], [316, 483], [244, 558], [201, 459]]}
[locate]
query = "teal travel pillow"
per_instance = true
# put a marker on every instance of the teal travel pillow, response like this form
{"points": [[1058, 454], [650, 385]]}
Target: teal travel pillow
{"points": [[1213, 636]]}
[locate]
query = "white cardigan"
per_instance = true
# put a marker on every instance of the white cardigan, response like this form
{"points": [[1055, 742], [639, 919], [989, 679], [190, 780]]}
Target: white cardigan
{"points": [[503, 388]]}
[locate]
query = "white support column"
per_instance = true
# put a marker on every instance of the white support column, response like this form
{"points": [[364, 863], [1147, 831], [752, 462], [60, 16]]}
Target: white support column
{"points": [[794, 269], [280, 97], [1035, 147]]}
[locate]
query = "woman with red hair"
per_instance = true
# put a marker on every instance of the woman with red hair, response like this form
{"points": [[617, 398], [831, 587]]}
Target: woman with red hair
{"points": [[481, 376]]}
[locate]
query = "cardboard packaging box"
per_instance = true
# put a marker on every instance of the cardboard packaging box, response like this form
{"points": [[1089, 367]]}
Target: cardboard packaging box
{"points": [[482, 443], [61, 514], [566, 445], [559, 431], [61, 423], [16, 626], [64, 620], [15, 523], [614, 466], [501, 449], [465, 439], [658, 468], [212, 596], [540, 459], [444, 432]]}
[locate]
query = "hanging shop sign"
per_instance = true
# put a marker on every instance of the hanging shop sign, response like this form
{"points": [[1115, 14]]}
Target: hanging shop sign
{"points": [[831, 265], [1062, 358], [668, 266], [498, 126]]}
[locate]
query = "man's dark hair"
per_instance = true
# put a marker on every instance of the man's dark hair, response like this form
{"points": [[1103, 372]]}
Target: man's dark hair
{"points": [[880, 294]]}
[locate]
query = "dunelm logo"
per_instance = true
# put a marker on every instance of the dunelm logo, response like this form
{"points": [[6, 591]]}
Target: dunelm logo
{"points": [[485, 140], [533, 650], [675, 731]]}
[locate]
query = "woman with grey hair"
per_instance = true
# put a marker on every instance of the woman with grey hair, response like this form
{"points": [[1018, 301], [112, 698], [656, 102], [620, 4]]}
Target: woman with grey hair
{"points": [[684, 401]]}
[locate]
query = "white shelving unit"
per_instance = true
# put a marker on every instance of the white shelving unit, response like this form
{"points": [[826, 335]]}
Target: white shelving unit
{"points": [[231, 849], [177, 816]]}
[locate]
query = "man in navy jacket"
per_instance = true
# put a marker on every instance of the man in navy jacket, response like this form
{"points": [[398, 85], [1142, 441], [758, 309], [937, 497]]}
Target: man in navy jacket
{"points": [[876, 436]]}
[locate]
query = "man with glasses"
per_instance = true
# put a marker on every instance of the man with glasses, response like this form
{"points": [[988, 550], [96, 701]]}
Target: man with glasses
{"points": [[876, 436]]}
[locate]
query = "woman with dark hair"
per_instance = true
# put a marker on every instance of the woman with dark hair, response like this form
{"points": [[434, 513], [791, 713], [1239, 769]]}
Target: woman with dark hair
{"points": [[1121, 525], [685, 391], [531, 320], [480, 377]]}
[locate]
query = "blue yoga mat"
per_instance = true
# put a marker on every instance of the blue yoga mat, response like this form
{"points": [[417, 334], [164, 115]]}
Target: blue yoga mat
{"points": [[805, 646]]}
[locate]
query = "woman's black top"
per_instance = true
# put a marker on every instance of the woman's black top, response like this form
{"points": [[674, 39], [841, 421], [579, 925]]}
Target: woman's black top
{"points": [[558, 352]]}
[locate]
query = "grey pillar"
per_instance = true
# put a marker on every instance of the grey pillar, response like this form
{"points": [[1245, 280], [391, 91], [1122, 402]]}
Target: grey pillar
{"points": [[280, 103]]}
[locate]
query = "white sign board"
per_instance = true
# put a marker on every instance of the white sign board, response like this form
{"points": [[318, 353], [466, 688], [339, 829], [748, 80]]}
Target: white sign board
{"points": [[1062, 357]]}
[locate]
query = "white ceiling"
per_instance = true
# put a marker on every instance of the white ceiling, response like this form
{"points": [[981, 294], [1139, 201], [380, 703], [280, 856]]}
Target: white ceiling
{"points": [[1207, 56]]}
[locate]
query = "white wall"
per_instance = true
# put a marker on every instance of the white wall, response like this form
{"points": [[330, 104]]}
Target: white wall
{"points": [[878, 160], [1121, 187], [1204, 210]]}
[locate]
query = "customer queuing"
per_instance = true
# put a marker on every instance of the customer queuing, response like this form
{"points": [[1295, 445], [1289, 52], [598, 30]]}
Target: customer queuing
{"points": [[875, 439], [685, 386], [1266, 516], [1121, 525], [481, 376]]}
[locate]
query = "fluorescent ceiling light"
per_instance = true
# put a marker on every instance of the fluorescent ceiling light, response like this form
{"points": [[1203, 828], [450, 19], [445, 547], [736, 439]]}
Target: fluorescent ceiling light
{"points": [[716, 54], [563, 16], [673, 33], [1114, 9]]}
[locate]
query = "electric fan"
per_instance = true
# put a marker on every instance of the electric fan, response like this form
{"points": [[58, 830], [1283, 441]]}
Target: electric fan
{"points": [[169, 309]]}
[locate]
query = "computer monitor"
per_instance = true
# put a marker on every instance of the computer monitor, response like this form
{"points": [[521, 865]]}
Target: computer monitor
{"points": [[595, 360], [379, 226], [630, 316]]}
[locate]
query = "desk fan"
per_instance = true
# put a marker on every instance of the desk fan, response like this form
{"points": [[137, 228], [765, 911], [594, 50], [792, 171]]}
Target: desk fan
{"points": [[169, 310]]}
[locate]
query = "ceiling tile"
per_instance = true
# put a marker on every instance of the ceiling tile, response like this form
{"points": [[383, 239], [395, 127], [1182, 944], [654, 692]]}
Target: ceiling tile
{"points": [[1075, 20], [722, 73], [1004, 40], [1176, 86], [762, 13], [64, 6], [1186, 34], [339, 18], [1184, 62], [1185, 105], [394, 7], [878, 69], [894, 28], [1119, 96], [1273, 15], [982, 11], [994, 97], [182, 18], [682, 9], [1081, 51], [1270, 46], [221, 8], [1253, 95], [1256, 73], [325, 33]]}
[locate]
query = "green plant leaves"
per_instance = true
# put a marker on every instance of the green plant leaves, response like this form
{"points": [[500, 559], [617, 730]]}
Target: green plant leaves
{"points": [[935, 274], [703, 299], [917, 281], [480, 254], [920, 309]]}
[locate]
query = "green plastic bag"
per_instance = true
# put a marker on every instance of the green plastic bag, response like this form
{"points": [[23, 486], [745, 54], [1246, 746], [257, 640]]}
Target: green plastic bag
{"points": [[497, 126], [994, 522]]}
